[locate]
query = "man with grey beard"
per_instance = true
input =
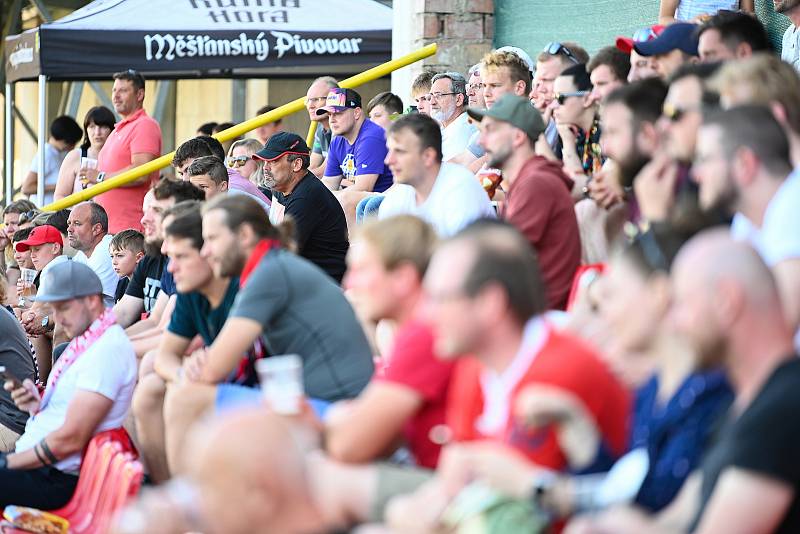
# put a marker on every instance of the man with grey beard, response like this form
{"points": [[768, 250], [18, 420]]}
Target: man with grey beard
{"points": [[448, 106], [790, 52], [319, 222]]}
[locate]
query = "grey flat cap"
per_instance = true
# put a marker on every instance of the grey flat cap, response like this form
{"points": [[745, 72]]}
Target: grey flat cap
{"points": [[66, 281]]}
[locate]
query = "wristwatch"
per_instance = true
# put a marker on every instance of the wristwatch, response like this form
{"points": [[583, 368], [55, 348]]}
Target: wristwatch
{"points": [[101, 176], [3, 460], [45, 321], [542, 483]]}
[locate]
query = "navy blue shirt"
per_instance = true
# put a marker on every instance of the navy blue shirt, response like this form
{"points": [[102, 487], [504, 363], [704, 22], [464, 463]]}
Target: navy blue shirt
{"points": [[168, 282], [676, 435], [194, 316]]}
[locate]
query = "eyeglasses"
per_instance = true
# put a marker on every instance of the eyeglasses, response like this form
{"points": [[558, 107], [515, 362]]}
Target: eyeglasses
{"points": [[237, 161], [475, 87], [674, 113], [562, 97], [438, 96], [556, 48], [316, 99], [642, 35]]}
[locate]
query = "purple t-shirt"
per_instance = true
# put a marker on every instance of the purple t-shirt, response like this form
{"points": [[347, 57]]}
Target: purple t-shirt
{"points": [[365, 156]]}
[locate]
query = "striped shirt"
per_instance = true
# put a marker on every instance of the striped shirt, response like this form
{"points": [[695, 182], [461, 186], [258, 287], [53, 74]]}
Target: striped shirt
{"points": [[690, 9]]}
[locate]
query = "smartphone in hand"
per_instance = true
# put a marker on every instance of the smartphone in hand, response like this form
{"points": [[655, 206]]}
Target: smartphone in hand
{"points": [[6, 376]]}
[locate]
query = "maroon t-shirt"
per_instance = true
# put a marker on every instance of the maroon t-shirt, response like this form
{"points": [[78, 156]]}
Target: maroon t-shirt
{"points": [[540, 205]]}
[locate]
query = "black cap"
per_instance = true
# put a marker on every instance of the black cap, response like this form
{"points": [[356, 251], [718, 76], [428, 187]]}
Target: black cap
{"points": [[282, 143]]}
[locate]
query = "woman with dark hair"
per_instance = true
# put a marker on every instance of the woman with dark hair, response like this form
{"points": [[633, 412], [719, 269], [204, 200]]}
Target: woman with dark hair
{"points": [[97, 126]]}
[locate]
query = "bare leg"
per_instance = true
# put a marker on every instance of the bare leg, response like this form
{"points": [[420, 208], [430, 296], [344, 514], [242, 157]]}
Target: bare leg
{"points": [[183, 406], [148, 411]]}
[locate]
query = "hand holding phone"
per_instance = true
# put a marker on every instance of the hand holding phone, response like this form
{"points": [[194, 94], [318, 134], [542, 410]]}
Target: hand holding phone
{"points": [[24, 393]]}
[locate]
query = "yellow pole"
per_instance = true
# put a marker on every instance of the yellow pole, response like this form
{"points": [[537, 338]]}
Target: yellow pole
{"points": [[240, 129], [312, 129]]}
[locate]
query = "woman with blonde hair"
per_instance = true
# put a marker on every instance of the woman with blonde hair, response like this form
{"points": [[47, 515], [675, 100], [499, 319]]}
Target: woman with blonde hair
{"points": [[240, 158]]}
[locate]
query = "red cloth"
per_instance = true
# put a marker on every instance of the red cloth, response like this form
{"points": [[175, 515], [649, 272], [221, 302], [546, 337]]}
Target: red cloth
{"points": [[540, 205], [563, 361], [137, 134], [412, 363]]}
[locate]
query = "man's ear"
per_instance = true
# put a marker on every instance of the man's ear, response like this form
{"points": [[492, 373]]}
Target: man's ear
{"points": [[224, 185], [139, 256]]}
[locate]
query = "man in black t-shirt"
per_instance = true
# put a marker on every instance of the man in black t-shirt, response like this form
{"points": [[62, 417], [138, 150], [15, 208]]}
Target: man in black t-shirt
{"points": [[320, 224], [726, 304], [142, 294]]}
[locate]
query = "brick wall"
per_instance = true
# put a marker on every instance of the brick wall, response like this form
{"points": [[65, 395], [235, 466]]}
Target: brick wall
{"points": [[463, 29]]}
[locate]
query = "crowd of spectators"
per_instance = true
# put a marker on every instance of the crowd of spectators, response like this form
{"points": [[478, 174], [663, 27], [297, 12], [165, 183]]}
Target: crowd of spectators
{"points": [[556, 294]]}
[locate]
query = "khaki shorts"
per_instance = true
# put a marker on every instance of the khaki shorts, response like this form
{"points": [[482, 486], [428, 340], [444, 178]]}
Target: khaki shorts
{"points": [[394, 480], [8, 438]]}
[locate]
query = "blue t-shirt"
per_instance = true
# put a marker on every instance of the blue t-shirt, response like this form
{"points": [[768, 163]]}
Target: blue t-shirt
{"points": [[193, 314], [168, 282], [365, 156], [676, 434]]}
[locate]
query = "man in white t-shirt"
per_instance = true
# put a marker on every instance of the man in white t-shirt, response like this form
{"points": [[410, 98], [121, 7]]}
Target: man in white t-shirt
{"points": [[448, 106], [89, 391], [790, 51], [444, 194], [743, 166], [87, 232]]}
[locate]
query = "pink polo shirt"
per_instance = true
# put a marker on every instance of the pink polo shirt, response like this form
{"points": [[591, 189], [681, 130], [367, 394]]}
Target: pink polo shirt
{"points": [[137, 134]]}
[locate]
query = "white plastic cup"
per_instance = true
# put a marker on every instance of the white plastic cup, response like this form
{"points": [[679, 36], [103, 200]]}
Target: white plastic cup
{"points": [[88, 163], [28, 276], [281, 380]]}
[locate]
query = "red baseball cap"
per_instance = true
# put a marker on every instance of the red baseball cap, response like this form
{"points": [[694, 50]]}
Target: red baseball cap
{"points": [[39, 236], [625, 44]]}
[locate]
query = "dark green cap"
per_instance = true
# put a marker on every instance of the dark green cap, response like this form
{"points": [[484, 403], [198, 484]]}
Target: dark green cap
{"points": [[515, 110]]}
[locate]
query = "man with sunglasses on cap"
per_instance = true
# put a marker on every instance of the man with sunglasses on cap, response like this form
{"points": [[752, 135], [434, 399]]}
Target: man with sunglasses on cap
{"points": [[641, 67], [538, 200], [320, 224], [676, 45], [356, 154], [135, 140], [89, 391]]}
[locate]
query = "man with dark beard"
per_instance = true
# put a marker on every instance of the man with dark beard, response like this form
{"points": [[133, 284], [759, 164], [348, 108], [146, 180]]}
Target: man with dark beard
{"points": [[790, 52], [743, 167], [538, 200], [284, 300], [143, 290], [630, 136]]}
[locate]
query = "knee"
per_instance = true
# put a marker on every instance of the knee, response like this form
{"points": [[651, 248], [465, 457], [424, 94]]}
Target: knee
{"points": [[148, 397], [147, 364], [184, 400]]}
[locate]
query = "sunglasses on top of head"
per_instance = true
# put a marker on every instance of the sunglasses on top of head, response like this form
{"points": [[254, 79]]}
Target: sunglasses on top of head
{"points": [[556, 48]]}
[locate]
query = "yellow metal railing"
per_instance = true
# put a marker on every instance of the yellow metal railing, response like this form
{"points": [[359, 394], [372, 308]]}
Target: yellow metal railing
{"points": [[240, 129]]}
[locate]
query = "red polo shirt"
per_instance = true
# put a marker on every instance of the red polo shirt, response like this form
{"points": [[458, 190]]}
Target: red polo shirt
{"points": [[136, 134]]}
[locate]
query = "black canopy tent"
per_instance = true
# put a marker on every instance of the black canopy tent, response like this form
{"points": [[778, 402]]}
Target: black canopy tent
{"points": [[196, 39]]}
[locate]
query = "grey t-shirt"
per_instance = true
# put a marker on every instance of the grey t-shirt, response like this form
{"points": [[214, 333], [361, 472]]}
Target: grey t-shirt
{"points": [[16, 356], [322, 141], [302, 311]]}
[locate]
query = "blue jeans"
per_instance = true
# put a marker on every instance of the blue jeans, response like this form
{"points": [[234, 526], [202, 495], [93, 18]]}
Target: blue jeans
{"points": [[230, 396]]}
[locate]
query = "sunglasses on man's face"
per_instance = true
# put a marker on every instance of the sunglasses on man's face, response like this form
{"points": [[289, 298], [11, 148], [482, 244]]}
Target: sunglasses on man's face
{"points": [[237, 161], [562, 97], [556, 48]]}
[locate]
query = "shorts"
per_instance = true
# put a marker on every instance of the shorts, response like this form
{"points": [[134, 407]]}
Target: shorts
{"points": [[231, 396]]}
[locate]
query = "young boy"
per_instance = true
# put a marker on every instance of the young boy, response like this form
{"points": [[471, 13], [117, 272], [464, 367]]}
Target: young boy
{"points": [[126, 249]]}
